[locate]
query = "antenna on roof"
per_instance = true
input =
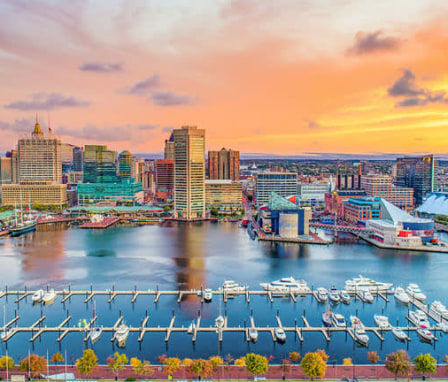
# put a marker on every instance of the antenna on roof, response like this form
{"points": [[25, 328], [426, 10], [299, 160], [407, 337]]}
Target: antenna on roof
{"points": [[49, 124], [37, 117]]}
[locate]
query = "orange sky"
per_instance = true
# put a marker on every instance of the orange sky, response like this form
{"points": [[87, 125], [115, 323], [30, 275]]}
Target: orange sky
{"points": [[282, 77]]}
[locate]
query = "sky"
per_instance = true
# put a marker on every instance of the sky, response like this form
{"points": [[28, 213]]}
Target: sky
{"points": [[281, 77]]}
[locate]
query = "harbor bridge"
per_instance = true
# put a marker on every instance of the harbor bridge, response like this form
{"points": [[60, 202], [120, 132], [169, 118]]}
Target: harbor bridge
{"points": [[342, 228]]}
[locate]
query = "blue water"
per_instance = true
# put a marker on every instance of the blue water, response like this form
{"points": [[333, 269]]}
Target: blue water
{"points": [[190, 256]]}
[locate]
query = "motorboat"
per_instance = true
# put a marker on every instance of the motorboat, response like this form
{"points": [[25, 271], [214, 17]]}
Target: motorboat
{"points": [[280, 334], [208, 295], [345, 297], [121, 335], [367, 296], [322, 294], [191, 328], [419, 318], [219, 322], [231, 286], [253, 334], [415, 292], [338, 320], [326, 318], [358, 331], [334, 296], [399, 334], [38, 296], [49, 297], [95, 334], [401, 295], [286, 284], [425, 334], [382, 321], [364, 283], [440, 309]]}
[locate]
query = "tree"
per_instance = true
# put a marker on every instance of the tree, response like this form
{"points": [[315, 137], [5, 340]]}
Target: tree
{"points": [[161, 359], [425, 363], [313, 365], [117, 363], [256, 364], [216, 362], [294, 356], [172, 364], [398, 363], [6, 363], [347, 362], [87, 363], [202, 367], [187, 362], [323, 355], [167, 208], [373, 357], [240, 361], [57, 357], [34, 363], [141, 367]]}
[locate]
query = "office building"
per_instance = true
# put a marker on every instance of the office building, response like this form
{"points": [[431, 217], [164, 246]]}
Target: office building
{"points": [[312, 194], [126, 192], [189, 172], [77, 159], [224, 195], [282, 183], [99, 165], [169, 148], [224, 164], [125, 165], [419, 173], [367, 208], [165, 179]]}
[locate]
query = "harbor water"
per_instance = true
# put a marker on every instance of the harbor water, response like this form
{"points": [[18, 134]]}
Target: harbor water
{"points": [[180, 256]]}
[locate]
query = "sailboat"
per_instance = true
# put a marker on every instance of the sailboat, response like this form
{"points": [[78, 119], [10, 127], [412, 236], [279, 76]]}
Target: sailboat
{"points": [[22, 226]]}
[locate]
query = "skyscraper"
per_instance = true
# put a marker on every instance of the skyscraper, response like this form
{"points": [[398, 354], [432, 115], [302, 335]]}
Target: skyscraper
{"points": [[419, 173], [99, 165], [169, 148], [189, 172], [125, 164], [224, 164]]}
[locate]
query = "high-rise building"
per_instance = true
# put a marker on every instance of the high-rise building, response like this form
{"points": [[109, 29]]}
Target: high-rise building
{"points": [[67, 157], [77, 159], [281, 183], [189, 172], [224, 164], [99, 165], [169, 148], [419, 173], [5, 171], [125, 165], [165, 179]]}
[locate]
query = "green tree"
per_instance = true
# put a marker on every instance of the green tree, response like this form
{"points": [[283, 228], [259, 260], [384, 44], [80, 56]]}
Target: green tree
{"points": [[398, 363], [35, 364], [373, 357], [172, 364], [425, 363], [256, 364], [57, 357], [117, 363], [202, 367], [87, 363], [167, 208], [294, 356], [313, 365], [6, 363]]}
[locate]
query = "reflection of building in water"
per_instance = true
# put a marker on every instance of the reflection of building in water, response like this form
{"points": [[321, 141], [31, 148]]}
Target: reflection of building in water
{"points": [[42, 255]]}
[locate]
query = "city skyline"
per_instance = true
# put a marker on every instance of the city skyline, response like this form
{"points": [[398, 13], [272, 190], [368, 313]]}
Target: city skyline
{"points": [[290, 78]]}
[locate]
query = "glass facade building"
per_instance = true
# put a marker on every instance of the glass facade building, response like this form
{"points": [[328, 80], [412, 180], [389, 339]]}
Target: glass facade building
{"points": [[282, 183], [99, 165]]}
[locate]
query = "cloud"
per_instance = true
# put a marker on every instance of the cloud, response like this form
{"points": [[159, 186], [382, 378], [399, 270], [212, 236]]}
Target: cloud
{"points": [[147, 127], [23, 125], [313, 124], [167, 129], [47, 101], [369, 42], [170, 99], [406, 86], [144, 87], [99, 67]]}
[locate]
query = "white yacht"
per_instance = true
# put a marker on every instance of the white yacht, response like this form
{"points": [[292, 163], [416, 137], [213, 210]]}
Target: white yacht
{"points": [[334, 296], [95, 334], [38, 295], [338, 320], [425, 334], [358, 331], [231, 286], [443, 326], [121, 335], [219, 322], [365, 283], [253, 334], [399, 334], [419, 318], [401, 295], [49, 297], [440, 309], [414, 291], [367, 296], [280, 334], [322, 294], [208, 295], [382, 321], [286, 284], [345, 297], [326, 318]]}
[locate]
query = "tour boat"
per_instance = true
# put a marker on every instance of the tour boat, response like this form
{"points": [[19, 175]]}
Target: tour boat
{"points": [[49, 297], [399, 334], [367, 296], [425, 334], [191, 328], [322, 294], [414, 291], [440, 309], [363, 283], [381, 321], [280, 334], [419, 318], [38, 295], [219, 322], [345, 297], [253, 334], [286, 284], [401, 295], [326, 318], [358, 331], [208, 295], [121, 335], [95, 334], [338, 320]]}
